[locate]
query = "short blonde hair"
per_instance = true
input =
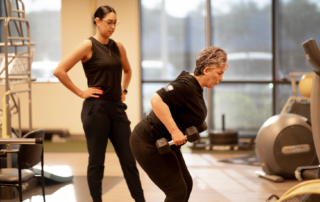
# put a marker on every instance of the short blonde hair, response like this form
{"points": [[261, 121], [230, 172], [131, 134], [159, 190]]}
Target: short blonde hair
{"points": [[212, 55]]}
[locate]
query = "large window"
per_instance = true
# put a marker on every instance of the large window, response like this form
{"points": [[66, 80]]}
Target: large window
{"points": [[172, 36], [242, 28], [245, 106], [263, 40], [298, 21], [44, 19]]}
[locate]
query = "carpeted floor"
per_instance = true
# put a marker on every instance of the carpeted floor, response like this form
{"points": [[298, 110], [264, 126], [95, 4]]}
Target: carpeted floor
{"points": [[75, 191], [248, 160]]}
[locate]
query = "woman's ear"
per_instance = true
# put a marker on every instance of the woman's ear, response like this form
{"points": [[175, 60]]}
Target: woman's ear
{"points": [[97, 20], [205, 70]]}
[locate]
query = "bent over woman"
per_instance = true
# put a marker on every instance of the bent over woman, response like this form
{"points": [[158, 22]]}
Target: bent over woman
{"points": [[175, 108], [103, 114]]}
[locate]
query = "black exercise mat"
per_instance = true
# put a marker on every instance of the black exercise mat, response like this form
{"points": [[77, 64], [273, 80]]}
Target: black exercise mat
{"points": [[247, 160], [75, 191]]}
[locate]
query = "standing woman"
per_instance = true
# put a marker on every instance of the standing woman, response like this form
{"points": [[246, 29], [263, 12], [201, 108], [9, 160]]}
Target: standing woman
{"points": [[103, 114]]}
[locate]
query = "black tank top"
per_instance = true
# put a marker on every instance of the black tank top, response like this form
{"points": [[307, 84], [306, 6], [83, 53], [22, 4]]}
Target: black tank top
{"points": [[104, 69]]}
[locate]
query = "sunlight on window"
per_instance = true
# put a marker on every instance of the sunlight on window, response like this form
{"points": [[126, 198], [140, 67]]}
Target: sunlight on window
{"points": [[151, 4], [174, 8], [45, 26], [43, 70], [225, 7], [317, 2], [181, 8], [40, 5]]}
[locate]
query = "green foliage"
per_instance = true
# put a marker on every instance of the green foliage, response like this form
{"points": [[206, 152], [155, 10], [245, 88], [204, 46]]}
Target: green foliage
{"points": [[242, 112]]}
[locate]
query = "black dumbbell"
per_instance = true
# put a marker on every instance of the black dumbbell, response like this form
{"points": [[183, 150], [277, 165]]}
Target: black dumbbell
{"points": [[191, 134], [203, 127]]}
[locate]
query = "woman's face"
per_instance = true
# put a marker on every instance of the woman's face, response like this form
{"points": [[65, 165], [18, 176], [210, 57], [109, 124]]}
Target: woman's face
{"points": [[213, 75], [108, 24]]}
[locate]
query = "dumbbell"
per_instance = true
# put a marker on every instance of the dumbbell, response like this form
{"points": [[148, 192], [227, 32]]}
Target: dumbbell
{"points": [[191, 134], [202, 128]]}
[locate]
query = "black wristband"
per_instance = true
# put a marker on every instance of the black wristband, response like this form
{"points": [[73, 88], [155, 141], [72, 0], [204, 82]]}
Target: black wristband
{"points": [[125, 90]]}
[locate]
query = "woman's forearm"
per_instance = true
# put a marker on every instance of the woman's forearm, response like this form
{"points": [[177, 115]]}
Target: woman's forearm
{"points": [[66, 81], [126, 79]]}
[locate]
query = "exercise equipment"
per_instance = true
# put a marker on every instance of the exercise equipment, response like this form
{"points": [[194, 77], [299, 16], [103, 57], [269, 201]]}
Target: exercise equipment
{"points": [[15, 68], [298, 104], [57, 173], [313, 56], [13, 156], [284, 142], [21, 141], [191, 135], [15, 63], [223, 139], [305, 84], [309, 191]]}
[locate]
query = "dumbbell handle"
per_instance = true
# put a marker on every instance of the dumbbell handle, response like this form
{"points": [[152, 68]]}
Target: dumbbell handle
{"points": [[172, 142]]}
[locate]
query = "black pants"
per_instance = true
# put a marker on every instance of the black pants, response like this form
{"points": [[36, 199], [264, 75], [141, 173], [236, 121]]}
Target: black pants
{"points": [[168, 171], [103, 120]]}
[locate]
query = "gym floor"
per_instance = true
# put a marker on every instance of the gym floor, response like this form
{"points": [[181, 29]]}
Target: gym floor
{"points": [[213, 181]]}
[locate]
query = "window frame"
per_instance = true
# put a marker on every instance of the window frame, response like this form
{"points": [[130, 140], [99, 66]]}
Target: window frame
{"points": [[274, 51]]}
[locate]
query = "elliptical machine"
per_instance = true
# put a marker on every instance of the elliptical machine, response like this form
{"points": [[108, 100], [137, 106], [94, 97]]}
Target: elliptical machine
{"points": [[287, 141], [313, 56], [309, 191]]}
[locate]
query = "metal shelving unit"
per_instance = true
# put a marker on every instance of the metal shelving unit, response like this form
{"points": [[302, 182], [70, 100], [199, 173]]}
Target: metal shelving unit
{"points": [[15, 66]]}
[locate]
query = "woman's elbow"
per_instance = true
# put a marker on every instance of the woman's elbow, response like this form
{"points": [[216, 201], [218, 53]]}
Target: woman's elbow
{"points": [[152, 101], [128, 71], [57, 73], [155, 100]]}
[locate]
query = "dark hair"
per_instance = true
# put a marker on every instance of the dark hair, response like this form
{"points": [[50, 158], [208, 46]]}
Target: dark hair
{"points": [[210, 56], [102, 11]]}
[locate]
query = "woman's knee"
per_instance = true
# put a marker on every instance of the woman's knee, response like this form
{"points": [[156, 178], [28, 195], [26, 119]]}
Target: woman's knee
{"points": [[189, 189], [178, 194], [189, 184]]}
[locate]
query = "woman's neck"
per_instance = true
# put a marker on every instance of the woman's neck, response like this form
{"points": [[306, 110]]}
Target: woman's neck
{"points": [[199, 79], [101, 39]]}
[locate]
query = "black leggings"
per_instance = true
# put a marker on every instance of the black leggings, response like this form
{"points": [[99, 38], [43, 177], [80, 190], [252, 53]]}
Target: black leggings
{"points": [[168, 171], [103, 120]]}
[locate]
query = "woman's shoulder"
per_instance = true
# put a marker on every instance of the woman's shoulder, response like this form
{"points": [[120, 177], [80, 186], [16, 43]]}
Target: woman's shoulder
{"points": [[184, 81], [184, 77], [87, 43], [84, 46], [118, 43]]}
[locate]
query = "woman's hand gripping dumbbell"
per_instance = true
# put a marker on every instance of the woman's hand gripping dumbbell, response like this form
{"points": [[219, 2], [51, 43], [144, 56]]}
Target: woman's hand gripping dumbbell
{"points": [[191, 135]]}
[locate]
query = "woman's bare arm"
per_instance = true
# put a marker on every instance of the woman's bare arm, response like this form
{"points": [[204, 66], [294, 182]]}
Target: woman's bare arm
{"points": [[80, 53]]}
